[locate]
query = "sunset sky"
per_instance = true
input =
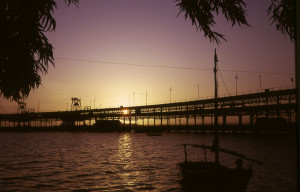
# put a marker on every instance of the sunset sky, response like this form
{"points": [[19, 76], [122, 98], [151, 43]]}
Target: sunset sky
{"points": [[106, 51]]}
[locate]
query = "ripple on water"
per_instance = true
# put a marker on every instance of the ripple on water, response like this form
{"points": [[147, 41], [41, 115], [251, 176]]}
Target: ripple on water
{"points": [[131, 162]]}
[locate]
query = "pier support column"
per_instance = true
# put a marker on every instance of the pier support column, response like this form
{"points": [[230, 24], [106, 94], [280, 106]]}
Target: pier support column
{"points": [[135, 121], [195, 123], [129, 121], [251, 121], [267, 104], [175, 121], [277, 111], [240, 122], [180, 121], [224, 123], [224, 120], [187, 121]]}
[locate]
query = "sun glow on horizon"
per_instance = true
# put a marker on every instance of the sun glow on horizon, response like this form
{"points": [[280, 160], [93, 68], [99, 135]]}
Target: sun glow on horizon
{"points": [[125, 112], [109, 64]]}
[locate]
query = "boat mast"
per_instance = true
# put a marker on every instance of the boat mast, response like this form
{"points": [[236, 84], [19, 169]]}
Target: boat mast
{"points": [[216, 139]]}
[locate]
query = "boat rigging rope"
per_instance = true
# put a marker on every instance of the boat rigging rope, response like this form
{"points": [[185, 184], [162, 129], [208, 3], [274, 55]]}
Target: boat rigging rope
{"points": [[223, 80]]}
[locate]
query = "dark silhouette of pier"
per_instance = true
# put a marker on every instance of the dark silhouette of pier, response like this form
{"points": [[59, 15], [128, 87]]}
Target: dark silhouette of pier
{"points": [[264, 111]]}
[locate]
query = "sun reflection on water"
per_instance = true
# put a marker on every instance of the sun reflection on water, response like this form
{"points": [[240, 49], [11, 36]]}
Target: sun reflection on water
{"points": [[125, 147], [128, 175]]}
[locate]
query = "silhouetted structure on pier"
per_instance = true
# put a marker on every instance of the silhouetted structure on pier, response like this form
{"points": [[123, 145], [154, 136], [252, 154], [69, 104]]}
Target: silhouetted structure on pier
{"points": [[279, 104]]}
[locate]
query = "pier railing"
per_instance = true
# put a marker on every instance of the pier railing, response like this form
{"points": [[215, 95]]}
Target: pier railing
{"points": [[267, 104]]}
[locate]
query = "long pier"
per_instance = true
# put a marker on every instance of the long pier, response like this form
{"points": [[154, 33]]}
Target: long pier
{"points": [[239, 111]]}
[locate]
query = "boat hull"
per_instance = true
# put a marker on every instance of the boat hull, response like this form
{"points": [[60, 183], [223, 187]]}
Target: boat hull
{"points": [[154, 133], [208, 176]]}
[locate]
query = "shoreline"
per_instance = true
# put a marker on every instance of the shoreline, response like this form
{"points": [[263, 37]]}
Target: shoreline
{"points": [[234, 129]]}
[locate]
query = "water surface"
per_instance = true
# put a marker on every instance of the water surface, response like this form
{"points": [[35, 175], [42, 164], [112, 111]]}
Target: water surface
{"points": [[58, 161]]}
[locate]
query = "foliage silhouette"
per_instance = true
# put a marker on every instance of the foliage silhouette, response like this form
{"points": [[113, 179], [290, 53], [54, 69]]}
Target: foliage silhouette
{"points": [[202, 13], [283, 14], [24, 49], [25, 52]]}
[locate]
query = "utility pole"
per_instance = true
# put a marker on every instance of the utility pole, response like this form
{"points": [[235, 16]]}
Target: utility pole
{"points": [[133, 98], [198, 91], [38, 107], [259, 82], [94, 103], [129, 99], [146, 97], [216, 140], [236, 78], [2, 112], [170, 93]]}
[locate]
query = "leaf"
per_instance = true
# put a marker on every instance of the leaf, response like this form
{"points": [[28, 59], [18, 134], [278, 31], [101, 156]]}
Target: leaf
{"points": [[201, 13]]}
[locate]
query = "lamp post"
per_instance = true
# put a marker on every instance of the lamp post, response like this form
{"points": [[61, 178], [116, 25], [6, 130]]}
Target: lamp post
{"points": [[198, 91], [259, 81], [129, 99], [170, 93], [146, 97], [236, 78], [133, 98]]}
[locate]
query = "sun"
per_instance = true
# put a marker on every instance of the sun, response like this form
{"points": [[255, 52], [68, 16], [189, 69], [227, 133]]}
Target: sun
{"points": [[125, 112]]}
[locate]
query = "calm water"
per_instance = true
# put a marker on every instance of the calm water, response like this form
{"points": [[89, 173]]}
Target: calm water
{"points": [[132, 161]]}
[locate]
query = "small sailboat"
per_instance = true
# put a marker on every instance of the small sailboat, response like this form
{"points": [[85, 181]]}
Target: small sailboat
{"points": [[154, 133], [212, 176]]}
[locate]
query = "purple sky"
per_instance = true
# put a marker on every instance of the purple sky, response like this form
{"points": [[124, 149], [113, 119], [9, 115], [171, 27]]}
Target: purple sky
{"points": [[149, 33]]}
